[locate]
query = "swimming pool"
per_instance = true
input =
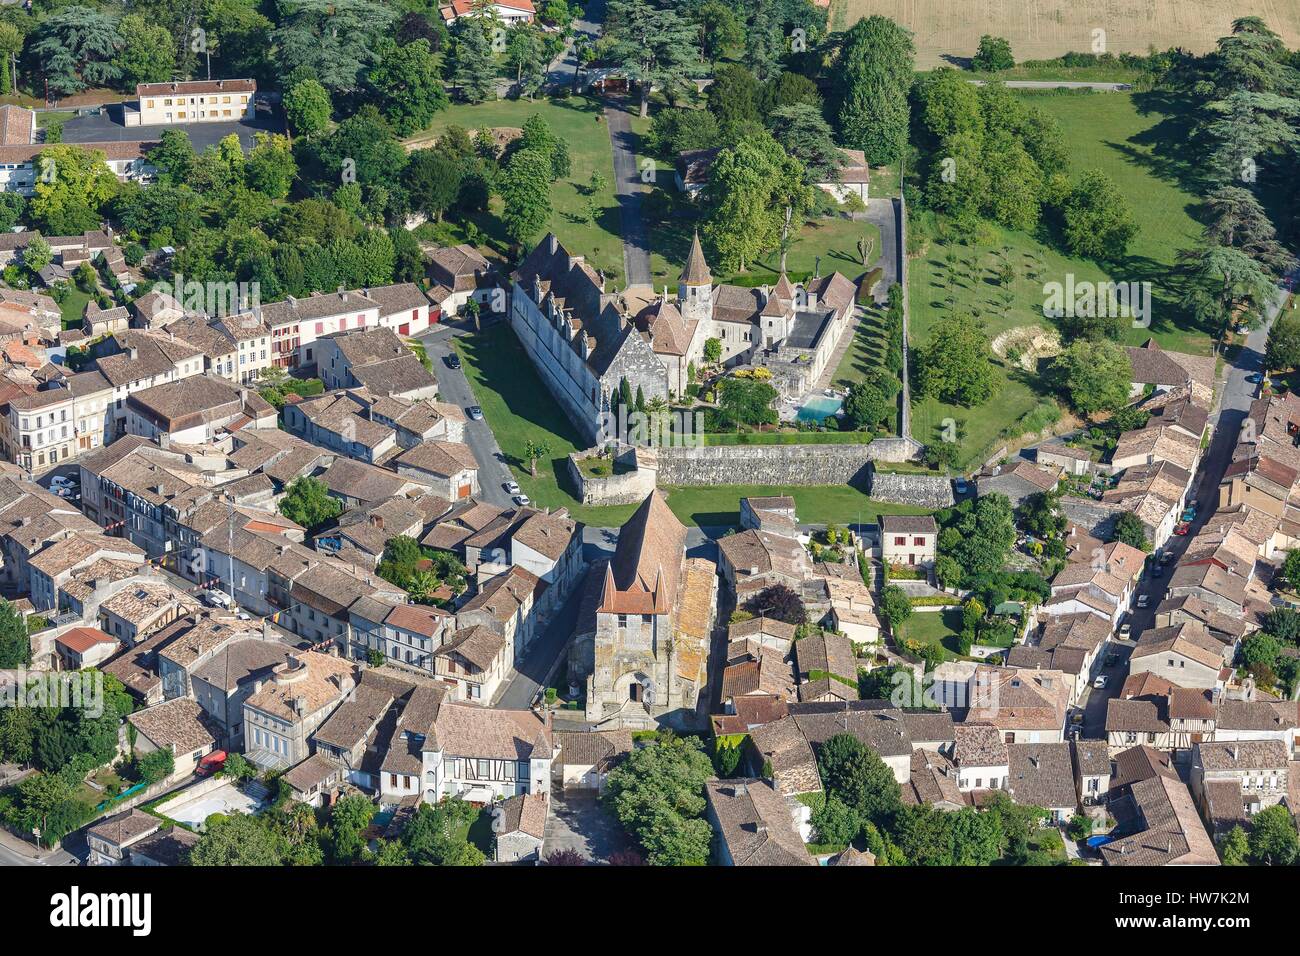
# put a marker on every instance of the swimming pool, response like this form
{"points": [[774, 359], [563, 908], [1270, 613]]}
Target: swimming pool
{"points": [[819, 408]]}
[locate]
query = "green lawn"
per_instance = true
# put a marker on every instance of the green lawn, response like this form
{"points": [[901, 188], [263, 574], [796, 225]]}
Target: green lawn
{"points": [[832, 240], [866, 354], [580, 123], [1137, 140], [518, 408], [73, 306], [935, 627]]}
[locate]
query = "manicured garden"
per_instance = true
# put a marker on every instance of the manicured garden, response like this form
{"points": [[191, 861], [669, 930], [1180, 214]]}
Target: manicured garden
{"points": [[940, 628]]}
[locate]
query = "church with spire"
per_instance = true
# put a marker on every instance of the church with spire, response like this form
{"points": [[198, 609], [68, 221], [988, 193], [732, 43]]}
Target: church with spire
{"points": [[644, 627]]}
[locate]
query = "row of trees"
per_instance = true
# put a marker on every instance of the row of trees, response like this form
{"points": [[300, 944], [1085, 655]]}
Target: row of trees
{"points": [[1249, 91]]}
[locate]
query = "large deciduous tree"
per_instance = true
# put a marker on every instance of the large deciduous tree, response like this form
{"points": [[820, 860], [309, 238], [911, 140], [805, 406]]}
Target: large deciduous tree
{"points": [[872, 84], [1096, 375], [654, 46]]}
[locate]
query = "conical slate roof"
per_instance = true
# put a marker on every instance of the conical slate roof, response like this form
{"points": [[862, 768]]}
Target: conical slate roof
{"points": [[696, 270]]}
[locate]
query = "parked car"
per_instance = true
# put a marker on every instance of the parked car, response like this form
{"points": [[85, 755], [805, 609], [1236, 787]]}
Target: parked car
{"points": [[1100, 682], [1166, 557], [961, 485], [1112, 660], [1189, 514], [1144, 600], [62, 482], [1254, 378], [452, 360], [211, 764], [1158, 571], [215, 598], [475, 413], [1076, 717], [1125, 629], [511, 487], [1183, 528], [522, 500]]}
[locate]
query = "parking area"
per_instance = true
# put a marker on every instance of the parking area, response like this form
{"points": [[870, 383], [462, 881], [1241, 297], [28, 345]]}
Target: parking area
{"points": [[224, 799], [107, 126], [579, 821]]}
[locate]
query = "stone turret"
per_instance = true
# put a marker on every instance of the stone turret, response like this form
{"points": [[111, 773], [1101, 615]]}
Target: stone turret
{"points": [[695, 287]]}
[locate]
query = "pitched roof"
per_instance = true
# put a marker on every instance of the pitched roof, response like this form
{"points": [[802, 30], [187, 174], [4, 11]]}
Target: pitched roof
{"points": [[755, 824], [642, 575]]}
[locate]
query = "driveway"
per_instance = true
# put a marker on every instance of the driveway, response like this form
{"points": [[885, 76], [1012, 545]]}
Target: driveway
{"points": [[454, 388], [629, 190], [579, 821]]}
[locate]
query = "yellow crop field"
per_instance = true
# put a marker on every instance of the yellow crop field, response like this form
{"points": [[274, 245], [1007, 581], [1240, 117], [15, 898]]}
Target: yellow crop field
{"points": [[1042, 29]]}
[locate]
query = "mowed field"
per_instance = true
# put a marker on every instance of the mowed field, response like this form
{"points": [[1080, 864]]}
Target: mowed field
{"points": [[1136, 140], [1041, 29]]}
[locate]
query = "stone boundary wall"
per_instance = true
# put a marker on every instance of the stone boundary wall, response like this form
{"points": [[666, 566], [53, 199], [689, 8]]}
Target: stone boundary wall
{"points": [[779, 464], [623, 488], [925, 491]]}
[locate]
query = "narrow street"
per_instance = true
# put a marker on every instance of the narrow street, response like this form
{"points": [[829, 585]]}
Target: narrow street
{"points": [[1238, 393], [454, 388]]}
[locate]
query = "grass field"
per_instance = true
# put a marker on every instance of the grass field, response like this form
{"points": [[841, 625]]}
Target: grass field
{"points": [[518, 408], [935, 627], [833, 240], [1135, 139], [579, 122], [1049, 28]]}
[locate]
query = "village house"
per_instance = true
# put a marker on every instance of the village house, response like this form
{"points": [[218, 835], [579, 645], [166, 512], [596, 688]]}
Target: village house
{"points": [[196, 411], [1183, 654], [375, 359], [450, 469], [1092, 770], [908, 540], [585, 758], [281, 716], [1232, 781], [111, 838], [81, 647], [520, 826], [1026, 706], [458, 273], [228, 677], [1164, 829], [178, 726], [754, 825]]}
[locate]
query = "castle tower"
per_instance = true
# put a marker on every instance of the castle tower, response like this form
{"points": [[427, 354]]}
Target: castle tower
{"points": [[695, 288]]}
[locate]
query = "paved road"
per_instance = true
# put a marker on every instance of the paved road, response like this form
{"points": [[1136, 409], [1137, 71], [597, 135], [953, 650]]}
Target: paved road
{"points": [[536, 664], [630, 191], [1094, 700], [1238, 393], [1061, 85], [586, 29], [454, 388], [16, 852]]}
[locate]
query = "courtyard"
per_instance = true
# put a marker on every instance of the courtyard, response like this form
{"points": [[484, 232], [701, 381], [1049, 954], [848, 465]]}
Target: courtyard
{"points": [[226, 799]]}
